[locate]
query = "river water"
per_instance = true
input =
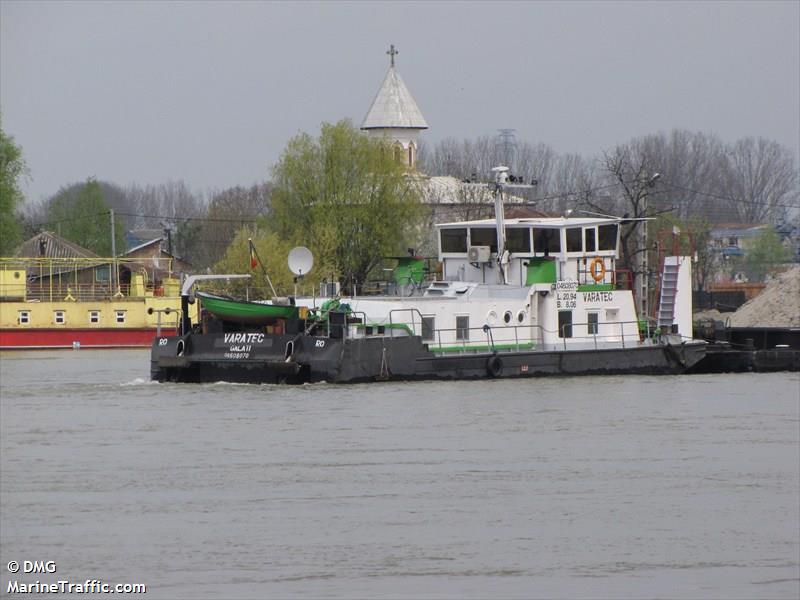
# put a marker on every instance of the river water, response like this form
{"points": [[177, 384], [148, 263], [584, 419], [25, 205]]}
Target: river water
{"points": [[640, 487]]}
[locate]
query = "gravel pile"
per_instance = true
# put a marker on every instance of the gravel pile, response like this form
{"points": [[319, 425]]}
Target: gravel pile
{"points": [[712, 314], [777, 306]]}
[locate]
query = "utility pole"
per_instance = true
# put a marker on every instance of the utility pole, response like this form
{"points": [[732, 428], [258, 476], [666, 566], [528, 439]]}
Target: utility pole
{"points": [[113, 252], [644, 289]]}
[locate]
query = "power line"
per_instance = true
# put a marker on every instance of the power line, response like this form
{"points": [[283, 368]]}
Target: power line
{"points": [[247, 219], [589, 191], [728, 198]]}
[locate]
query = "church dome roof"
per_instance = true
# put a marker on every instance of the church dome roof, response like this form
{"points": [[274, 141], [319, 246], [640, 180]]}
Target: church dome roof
{"points": [[394, 106]]}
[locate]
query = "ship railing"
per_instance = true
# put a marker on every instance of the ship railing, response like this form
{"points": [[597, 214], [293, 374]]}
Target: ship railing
{"points": [[73, 292], [414, 312], [497, 338], [511, 338], [165, 311], [83, 292], [465, 340], [567, 330], [520, 337], [342, 323], [49, 279]]}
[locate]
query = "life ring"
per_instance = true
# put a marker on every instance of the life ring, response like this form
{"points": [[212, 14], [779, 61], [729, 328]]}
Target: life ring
{"points": [[494, 366], [597, 269]]}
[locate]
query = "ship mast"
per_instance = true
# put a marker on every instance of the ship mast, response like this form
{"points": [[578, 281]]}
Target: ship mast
{"points": [[497, 186]]}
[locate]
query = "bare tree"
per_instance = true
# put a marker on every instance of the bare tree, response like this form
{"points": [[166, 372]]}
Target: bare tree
{"points": [[752, 180], [229, 211], [167, 202], [691, 166], [473, 159], [630, 177], [760, 179], [570, 183]]}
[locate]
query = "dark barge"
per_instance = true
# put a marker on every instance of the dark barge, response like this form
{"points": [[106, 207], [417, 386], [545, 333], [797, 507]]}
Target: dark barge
{"points": [[233, 353], [748, 349]]}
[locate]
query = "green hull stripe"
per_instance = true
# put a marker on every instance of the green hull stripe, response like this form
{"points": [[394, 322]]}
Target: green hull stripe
{"points": [[599, 287], [520, 346]]}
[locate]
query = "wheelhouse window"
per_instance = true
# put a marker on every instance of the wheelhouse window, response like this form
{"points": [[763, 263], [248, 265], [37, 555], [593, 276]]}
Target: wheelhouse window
{"points": [[462, 327], [94, 316], [59, 317], [24, 317], [546, 241], [518, 240], [565, 323], [453, 240], [483, 236], [119, 315], [607, 237], [574, 239], [589, 239], [592, 323]]}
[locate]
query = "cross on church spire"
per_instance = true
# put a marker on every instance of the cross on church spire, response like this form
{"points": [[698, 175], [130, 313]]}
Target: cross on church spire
{"points": [[391, 52]]}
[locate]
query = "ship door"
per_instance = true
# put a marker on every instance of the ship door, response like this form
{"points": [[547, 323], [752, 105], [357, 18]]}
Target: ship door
{"points": [[536, 331]]}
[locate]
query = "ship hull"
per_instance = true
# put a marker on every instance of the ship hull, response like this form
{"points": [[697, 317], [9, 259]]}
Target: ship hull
{"points": [[305, 359], [32, 339]]}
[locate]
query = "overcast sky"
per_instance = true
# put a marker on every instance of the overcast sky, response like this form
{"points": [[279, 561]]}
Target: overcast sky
{"points": [[209, 93]]}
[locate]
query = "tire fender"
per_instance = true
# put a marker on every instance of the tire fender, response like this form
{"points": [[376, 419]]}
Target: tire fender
{"points": [[494, 366]]}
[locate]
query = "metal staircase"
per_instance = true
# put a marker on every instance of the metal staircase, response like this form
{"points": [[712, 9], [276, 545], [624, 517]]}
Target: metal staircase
{"points": [[669, 291]]}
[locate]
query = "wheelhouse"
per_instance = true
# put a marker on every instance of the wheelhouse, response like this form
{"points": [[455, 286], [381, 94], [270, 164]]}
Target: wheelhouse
{"points": [[543, 250]]}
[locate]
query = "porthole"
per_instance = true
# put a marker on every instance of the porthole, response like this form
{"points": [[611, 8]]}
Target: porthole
{"points": [[521, 316], [491, 317], [507, 317]]}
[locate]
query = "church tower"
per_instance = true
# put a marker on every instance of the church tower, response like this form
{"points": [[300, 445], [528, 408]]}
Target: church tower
{"points": [[395, 115]]}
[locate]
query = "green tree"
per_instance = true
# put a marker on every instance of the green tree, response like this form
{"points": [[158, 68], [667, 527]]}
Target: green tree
{"points": [[82, 215], [345, 197], [765, 254], [12, 168]]}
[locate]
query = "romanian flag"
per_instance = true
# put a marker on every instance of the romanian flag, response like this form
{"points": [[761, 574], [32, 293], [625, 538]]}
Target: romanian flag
{"points": [[253, 259]]}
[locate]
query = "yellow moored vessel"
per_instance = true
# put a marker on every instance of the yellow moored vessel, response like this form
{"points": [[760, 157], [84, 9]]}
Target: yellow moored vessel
{"points": [[86, 302]]}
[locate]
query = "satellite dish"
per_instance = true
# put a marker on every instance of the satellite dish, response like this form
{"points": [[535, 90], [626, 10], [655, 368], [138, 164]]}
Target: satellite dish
{"points": [[300, 260]]}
